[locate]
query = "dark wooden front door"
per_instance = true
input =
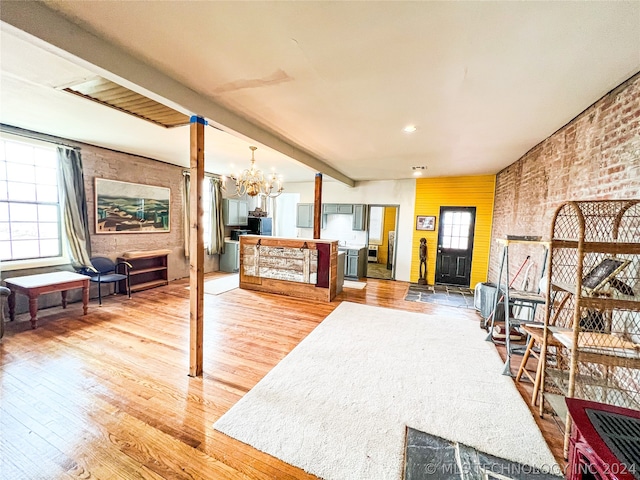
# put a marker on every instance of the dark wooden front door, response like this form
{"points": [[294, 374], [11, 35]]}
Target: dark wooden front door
{"points": [[455, 245]]}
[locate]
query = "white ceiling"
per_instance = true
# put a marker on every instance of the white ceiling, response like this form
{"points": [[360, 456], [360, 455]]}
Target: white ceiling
{"points": [[483, 81]]}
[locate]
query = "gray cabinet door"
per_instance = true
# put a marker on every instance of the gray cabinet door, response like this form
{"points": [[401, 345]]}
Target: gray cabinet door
{"points": [[359, 217], [329, 208], [230, 259], [352, 266], [243, 213], [356, 263], [344, 208], [229, 212], [235, 213], [304, 216]]}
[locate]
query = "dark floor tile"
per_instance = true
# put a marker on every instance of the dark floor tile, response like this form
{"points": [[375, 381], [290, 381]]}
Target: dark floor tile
{"points": [[431, 457], [440, 295]]}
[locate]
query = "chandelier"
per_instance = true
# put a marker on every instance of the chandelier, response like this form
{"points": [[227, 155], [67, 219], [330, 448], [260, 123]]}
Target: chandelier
{"points": [[253, 182]]}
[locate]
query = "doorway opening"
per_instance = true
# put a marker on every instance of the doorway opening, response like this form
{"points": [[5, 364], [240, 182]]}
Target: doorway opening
{"points": [[381, 241], [455, 245]]}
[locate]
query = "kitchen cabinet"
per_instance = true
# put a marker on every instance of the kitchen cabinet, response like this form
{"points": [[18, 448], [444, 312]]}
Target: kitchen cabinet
{"points": [[359, 217], [355, 265], [339, 208], [230, 259], [235, 213], [342, 258], [304, 215]]}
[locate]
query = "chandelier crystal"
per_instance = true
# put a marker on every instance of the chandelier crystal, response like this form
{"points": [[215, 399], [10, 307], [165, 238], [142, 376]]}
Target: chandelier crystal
{"points": [[253, 182]]}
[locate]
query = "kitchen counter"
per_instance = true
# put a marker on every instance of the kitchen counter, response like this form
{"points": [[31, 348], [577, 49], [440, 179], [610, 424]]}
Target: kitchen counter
{"points": [[297, 267], [355, 261], [350, 247]]}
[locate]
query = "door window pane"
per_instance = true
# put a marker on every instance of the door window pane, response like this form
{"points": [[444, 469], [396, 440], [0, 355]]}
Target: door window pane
{"points": [[456, 230]]}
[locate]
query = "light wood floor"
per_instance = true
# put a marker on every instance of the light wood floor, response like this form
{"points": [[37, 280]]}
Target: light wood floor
{"points": [[107, 396]]}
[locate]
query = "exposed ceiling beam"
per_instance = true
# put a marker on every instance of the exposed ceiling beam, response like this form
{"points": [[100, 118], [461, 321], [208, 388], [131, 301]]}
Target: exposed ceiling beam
{"points": [[71, 41]]}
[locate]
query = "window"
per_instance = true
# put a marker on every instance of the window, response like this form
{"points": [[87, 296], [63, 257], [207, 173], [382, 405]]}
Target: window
{"points": [[30, 226], [376, 222]]}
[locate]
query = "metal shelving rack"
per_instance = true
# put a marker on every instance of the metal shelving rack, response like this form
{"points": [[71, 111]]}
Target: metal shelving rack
{"points": [[507, 297], [594, 312]]}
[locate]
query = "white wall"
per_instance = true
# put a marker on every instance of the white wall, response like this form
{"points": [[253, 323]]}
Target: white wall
{"points": [[390, 192], [284, 211], [338, 227]]}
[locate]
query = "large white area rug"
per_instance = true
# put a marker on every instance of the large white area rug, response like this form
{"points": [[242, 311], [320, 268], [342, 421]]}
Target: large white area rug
{"points": [[338, 404]]}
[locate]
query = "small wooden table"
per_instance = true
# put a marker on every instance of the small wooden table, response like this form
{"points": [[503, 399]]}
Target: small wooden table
{"points": [[34, 285]]}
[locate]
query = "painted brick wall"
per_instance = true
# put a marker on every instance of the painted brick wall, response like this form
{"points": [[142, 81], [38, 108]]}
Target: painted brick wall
{"points": [[596, 156]]}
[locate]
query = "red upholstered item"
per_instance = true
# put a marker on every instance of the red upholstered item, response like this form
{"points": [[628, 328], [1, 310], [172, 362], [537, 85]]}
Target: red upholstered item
{"points": [[604, 443], [324, 262]]}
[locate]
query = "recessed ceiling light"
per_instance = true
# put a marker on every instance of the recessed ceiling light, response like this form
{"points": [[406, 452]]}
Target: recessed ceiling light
{"points": [[417, 171], [409, 129]]}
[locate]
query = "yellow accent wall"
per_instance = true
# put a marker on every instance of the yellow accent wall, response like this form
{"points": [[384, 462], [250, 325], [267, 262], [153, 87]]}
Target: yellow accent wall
{"points": [[433, 193], [389, 224]]}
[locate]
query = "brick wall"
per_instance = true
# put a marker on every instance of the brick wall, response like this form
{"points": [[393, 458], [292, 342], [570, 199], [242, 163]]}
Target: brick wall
{"points": [[112, 165], [596, 156]]}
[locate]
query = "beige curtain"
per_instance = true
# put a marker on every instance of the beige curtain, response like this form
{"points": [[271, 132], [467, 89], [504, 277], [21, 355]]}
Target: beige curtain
{"points": [[76, 218], [186, 224], [216, 242]]}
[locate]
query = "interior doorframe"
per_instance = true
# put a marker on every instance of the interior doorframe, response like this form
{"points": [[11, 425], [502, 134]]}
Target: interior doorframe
{"points": [[471, 240], [395, 240]]}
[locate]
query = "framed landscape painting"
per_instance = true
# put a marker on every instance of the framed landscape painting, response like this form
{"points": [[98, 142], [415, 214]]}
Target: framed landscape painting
{"points": [[123, 207]]}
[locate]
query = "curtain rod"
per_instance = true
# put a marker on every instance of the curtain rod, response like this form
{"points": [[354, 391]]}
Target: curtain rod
{"points": [[212, 175], [43, 137]]}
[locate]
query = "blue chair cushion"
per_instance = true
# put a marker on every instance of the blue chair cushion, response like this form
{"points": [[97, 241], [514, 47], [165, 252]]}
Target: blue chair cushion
{"points": [[112, 277]]}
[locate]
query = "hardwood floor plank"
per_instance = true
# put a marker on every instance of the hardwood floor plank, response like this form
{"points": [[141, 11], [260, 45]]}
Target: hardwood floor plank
{"points": [[29, 455], [64, 422], [107, 395]]}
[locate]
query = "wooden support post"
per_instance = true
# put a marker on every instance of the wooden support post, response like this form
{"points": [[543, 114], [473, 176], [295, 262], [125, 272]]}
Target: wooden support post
{"points": [[317, 209], [196, 244]]}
